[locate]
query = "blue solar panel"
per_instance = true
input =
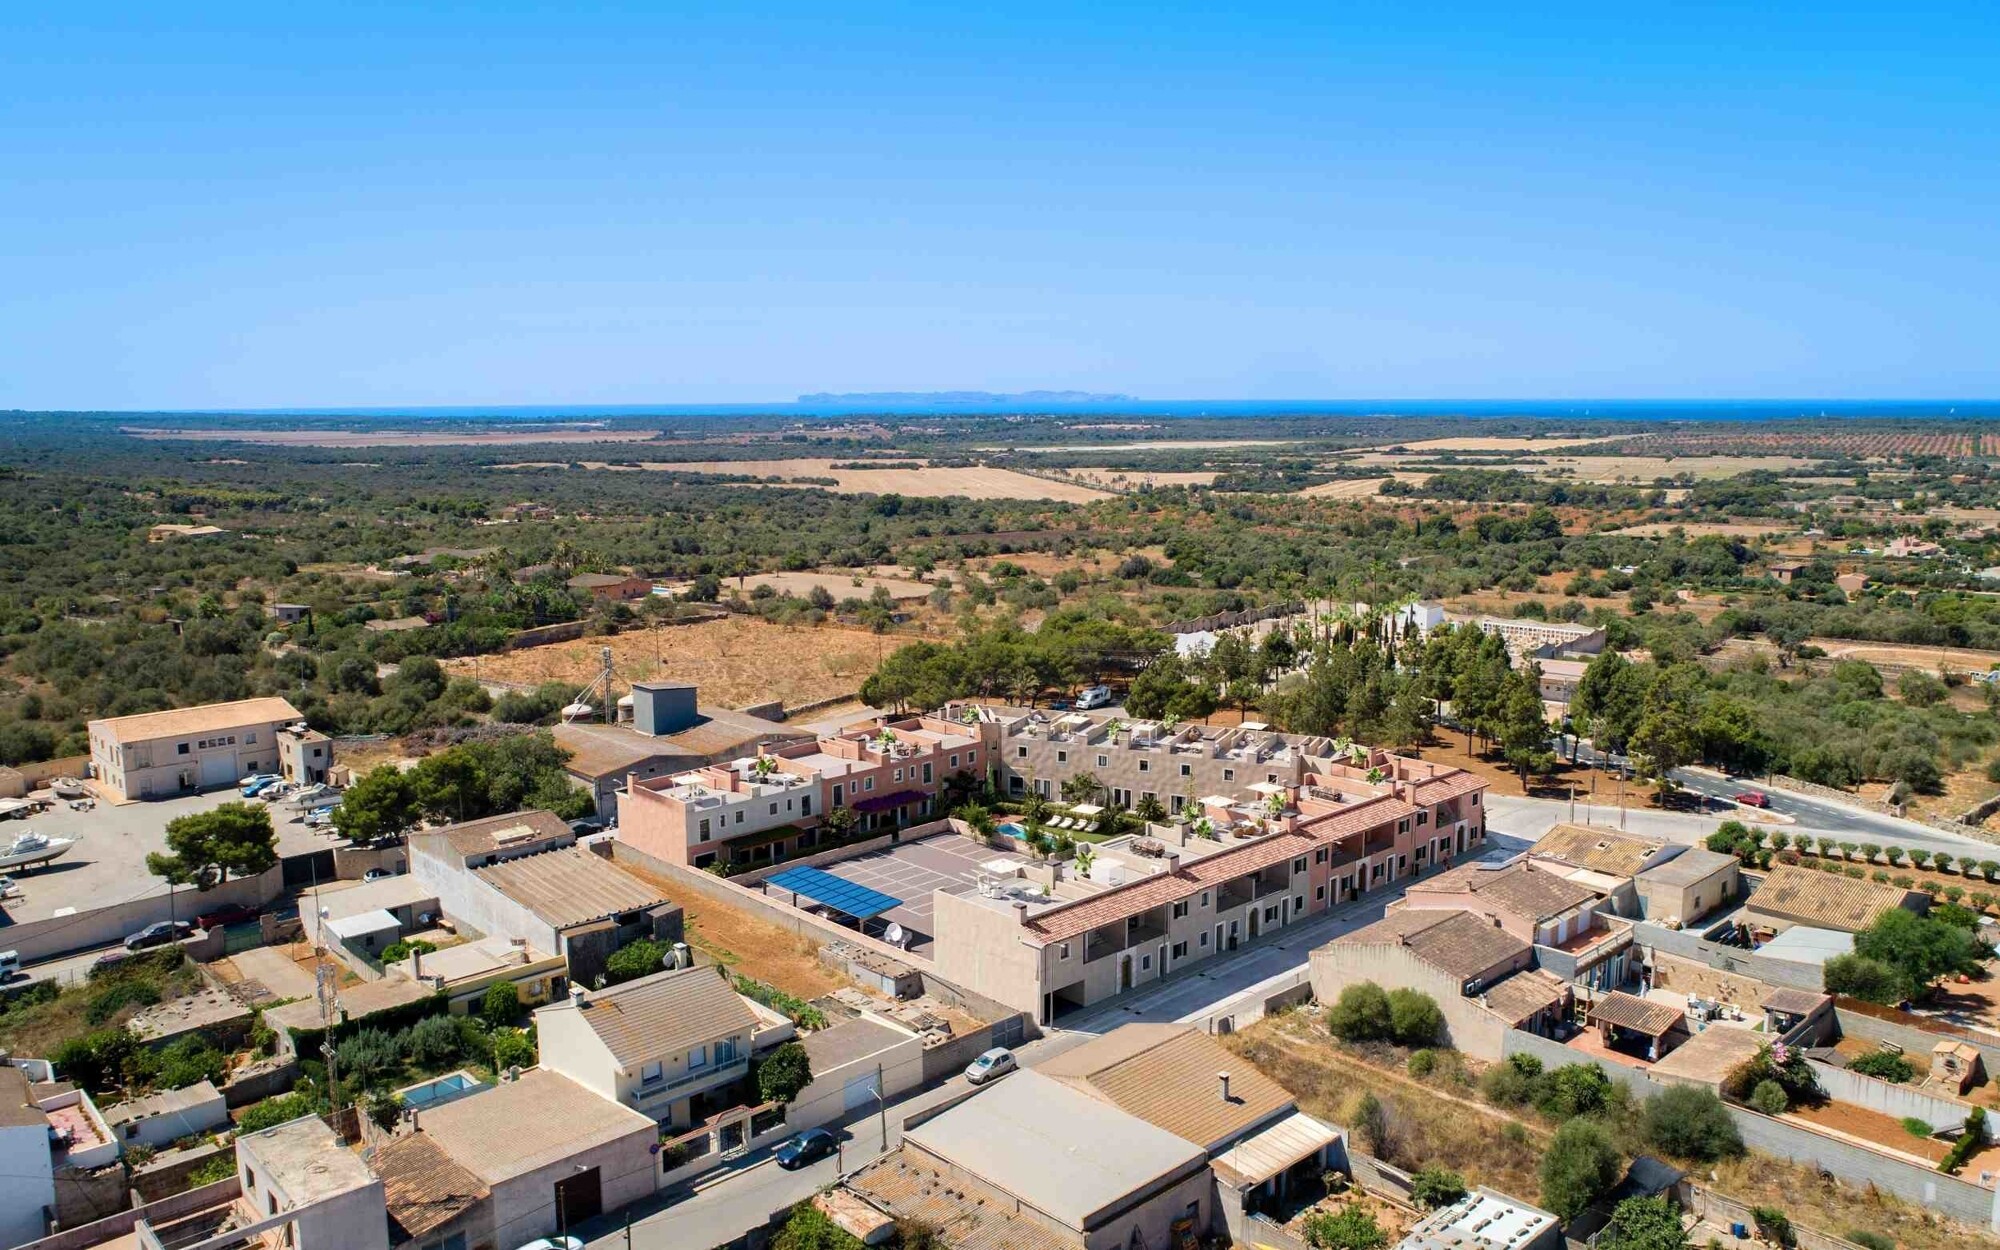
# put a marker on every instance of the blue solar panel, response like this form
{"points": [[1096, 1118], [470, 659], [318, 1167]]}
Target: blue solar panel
{"points": [[846, 897]]}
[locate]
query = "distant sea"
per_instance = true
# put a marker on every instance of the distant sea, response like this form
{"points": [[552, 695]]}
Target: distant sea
{"points": [[1000, 405]]}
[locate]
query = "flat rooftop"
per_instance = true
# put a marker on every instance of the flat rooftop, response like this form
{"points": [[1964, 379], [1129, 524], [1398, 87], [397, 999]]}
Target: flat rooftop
{"points": [[912, 871], [205, 1008], [307, 1160], [520, 1126], [1482, 1220]]}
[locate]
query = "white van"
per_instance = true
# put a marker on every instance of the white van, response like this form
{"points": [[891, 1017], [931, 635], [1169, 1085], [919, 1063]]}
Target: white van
{"points": [[10, 965], [1094, 696]]}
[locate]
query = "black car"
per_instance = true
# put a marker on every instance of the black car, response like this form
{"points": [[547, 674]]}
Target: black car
{"points": [[584, 826], [808, 1147], [158, 934]]}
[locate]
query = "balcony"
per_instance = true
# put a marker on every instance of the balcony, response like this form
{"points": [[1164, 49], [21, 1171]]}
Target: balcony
{"points": [[1236, 894], [651, 1092]]}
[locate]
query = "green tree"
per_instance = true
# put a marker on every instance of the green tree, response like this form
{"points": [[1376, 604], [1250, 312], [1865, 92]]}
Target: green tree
{"points": [[203, 848], [809, 1228], [501, 1004], [1350, 1228], [641, 958], [1644, 1224], [1580, 1167], [1361, 1014], [382, 804], [1770, 1097], [1857, 976], [1921, 949], [1521, 725], [783, 1073], [1690, 1122]]}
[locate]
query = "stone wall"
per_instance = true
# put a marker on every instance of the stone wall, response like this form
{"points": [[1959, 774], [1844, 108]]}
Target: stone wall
{"points": [[1895, 1101], [85, 1236]]}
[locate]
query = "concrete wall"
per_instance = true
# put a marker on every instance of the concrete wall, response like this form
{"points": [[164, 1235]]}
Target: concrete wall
{"points": [[1855, 1022], [903, 1066], [27, 1185], [1889, 1098], [101, 926], [463, 896], [1689, 945], [168, 1174], [157, 1130], [1468, 1026], [166, 1209], [524, 1208], [42, 772]]}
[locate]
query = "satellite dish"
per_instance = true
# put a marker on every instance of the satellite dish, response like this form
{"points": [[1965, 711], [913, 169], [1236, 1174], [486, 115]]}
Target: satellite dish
{"points": [[577, 711], [893, 934]]}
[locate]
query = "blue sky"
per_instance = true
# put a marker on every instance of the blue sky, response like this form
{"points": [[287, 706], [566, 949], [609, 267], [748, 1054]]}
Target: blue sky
{"points": [[267, 205]]}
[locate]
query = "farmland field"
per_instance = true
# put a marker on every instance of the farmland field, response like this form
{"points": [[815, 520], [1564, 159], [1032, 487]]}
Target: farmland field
{"points": [[841, 585], [973, 483], [398, 438], [736, 662]]}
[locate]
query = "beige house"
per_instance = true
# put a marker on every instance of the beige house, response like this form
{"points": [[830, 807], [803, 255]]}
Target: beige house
{"points": [[303, 1186], [656, 1044], [1689, 886], [157, 755], [1790, 895]]}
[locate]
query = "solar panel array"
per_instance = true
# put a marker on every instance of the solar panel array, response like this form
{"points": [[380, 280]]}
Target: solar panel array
{"points": [[846, 897]]}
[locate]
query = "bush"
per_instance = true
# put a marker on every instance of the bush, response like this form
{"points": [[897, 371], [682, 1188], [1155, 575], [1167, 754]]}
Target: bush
{"points": [[809, 1228], [1871, 1241], [1362, 1014], [1370, 1121], [791, 1006], [1435, 1187], [1690, 1122], [783, 1073], [384, 1109], [1580, 1167], [1644, 1224], [513, 1048], [369, 1055], [1350, 1228], [1422, 1063], [1915, 1127], [1774, 1226], [634, 960], [113, 998], [1414, 1017], [1884, 1066], [1970, 1143], [276, 1110], [434, 1041], [97, 1061], [1857, 976], [1572, 1090], [190, 1061], [218, 1167], [1504, 1086], [397, 952], [501, 1005], [1770, 1097]]}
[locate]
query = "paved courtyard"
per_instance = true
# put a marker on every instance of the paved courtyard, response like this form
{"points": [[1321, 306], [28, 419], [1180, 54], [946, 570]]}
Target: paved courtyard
{"points": [[911, 871]]}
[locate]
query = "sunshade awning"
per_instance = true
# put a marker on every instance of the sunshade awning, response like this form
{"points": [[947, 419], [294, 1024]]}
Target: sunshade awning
{"points": [[849, 898], [1275, 1147]]}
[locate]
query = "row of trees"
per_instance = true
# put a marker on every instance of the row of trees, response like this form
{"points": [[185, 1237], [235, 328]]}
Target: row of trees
{"points": [[464, 782]]}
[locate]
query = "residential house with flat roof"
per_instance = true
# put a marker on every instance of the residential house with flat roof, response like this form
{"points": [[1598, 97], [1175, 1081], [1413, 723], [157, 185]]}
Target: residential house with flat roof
{"points": [[157, 1119], [156, 755], [466, 971], [1485, 1219], [667, 731], [302, 1182], [1688, 887], [1483, 978], [27, 1171], [657, 1044], [1035, 1162]]}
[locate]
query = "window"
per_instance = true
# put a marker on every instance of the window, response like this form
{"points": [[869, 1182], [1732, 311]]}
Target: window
{"points": [[808, 838], [1272, 778], [805, 805], [1145, 766], [1062, 757], [927, 774], [1299, 864], [971, 758], [1298, 903], [1319, 894], [697, 1058], [1180, 950], [1176, 803], [249, 1178], [774, 809], [1229, 774], [1270, 915], [1145, 963], [954, 761], [652, 1074], [725, 1051], [1104, 761], [868, 783], [1020, 753], [1180, 909], [181, 749], [1402, 826], [1423, 818], [250, 739], [704, 828], [1319, 856], [899, 774], [1203, 941], [1187, 770], [1475, 798], [1062, 950], [1204, 900]]}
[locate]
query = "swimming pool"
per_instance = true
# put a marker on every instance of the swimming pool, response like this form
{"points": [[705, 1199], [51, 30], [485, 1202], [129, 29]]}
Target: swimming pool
{"points": [[1009, 829], [450, 1087]]}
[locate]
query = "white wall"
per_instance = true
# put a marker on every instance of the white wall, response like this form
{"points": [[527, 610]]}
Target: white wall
{"points": [[27, 1186], [824, 1100], [524, 1208]]}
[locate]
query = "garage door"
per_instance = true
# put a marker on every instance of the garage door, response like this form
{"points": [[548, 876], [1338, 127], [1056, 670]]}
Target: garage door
{"points": [[217, 771], [860, 1092]]}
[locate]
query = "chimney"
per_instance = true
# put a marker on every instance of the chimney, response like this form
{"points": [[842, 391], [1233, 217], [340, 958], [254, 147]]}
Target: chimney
{"points": [[1020, 912], [1224, 1078], [576, 997], [415, 1126], [417, 963], [520, 946]]}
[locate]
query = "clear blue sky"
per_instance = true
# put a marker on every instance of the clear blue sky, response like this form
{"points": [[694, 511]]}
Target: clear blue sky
{"points": [[247, 206]]}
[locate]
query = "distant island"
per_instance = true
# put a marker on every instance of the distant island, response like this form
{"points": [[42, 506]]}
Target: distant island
{"points": [[964, 398]]}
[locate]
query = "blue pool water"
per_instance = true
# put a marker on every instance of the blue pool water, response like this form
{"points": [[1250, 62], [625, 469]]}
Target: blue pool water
{"points": [[1012, 830], [435, 1093]]}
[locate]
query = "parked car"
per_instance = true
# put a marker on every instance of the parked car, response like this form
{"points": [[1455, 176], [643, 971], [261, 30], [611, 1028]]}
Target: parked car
{"points": [[234, 913], [1094, 696], [254, 784], [10, 965], [584, 826], [990, 1066], [555, 1243], [807, 1147], [1752, 798], [283, 790], [377, 874], [159, 933]]}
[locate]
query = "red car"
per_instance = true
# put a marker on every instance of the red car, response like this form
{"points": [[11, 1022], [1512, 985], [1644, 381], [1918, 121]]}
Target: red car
{"points": [[235, 913], [1750, 798]]}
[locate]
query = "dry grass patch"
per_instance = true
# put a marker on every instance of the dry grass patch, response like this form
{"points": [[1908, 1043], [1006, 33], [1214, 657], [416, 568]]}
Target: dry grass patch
{"points": [[745, 944]]}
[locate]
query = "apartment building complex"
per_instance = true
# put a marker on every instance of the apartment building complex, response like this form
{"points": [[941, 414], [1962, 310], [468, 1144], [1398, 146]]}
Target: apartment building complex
{"points": [[768, 807], [1275, 828]]}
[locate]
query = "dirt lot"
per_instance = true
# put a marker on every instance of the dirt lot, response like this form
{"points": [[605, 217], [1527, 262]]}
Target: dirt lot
{"points": [[973, 483], [841, 585], [1930, 659], [748, 945], [399, 438], [1704, 529], [736, 662]]}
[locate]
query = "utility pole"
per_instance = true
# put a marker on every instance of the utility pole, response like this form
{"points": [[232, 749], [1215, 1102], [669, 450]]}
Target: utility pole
{"points": [[881, 1109]]}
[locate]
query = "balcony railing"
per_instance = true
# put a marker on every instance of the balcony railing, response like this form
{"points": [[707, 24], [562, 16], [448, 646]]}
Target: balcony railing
{"points": [[651, 1090]]}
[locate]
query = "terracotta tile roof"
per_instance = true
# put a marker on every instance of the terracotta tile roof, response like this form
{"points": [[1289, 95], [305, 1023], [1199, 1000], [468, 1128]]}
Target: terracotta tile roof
{"points": [[1536, 894], [665, 1014], [1600, 850], [1167, 1075], [479, 837], [1460, 944], [1824, 900], [181, 722], [1356, 818], [424, 1189], [1443, 789], [1059, 923], [524, 1125], [568, 886], [1793, 1002], [1516, 997], [1628, 1011]]}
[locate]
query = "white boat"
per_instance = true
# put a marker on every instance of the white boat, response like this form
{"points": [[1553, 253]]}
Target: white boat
{"points": [[31, 849], [68, 788]]}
